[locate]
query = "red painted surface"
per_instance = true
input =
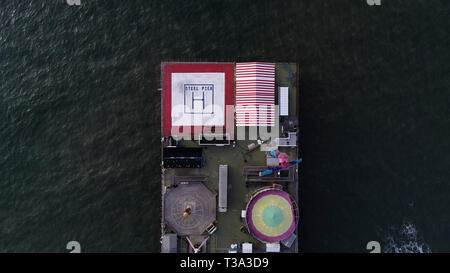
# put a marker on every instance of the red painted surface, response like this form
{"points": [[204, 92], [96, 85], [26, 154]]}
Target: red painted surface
{"points": [[169, 68], [255, 94]]}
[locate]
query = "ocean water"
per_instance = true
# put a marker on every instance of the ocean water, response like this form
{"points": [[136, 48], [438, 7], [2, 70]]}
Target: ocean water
{"points": [[80, 116]]}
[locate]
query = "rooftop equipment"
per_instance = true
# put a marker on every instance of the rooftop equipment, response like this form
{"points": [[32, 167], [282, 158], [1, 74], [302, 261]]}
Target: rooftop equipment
{"points": [[269, 171], [223, 186], [214, 140], [283, 101], [290, 141], [212, 228], [252, 175], [181, 157], [243, 213], [272, 161], [273, 247], [247, 248], [169, 243], [289, 240]]}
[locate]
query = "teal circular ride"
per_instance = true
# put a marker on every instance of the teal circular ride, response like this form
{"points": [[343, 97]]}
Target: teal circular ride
{"points": [[272, 216]]}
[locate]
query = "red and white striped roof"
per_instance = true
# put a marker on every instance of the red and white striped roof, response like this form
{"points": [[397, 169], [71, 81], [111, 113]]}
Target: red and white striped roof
{"points": [[255, 94]]}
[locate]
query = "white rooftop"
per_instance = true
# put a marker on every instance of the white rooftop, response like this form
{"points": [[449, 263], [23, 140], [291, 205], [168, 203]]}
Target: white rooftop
{"points": [[198, 99], [247, 248]]}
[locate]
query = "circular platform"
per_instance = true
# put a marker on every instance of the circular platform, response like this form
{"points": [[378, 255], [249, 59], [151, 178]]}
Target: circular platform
{"points": [[270, 215], [202, 204]]}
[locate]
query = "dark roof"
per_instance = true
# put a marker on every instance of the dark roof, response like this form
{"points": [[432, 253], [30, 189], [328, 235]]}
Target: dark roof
{"points": [[182, 152]]}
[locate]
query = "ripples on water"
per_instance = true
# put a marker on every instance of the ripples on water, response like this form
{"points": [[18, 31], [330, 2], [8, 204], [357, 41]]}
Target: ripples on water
{"points": [[79, 115]]}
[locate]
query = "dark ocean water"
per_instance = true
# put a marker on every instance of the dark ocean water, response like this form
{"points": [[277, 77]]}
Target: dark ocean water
{"points": [[80, 116]]}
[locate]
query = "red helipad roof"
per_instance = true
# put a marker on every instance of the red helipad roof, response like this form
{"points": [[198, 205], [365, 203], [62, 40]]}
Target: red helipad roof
{"points": [[195, 96]]}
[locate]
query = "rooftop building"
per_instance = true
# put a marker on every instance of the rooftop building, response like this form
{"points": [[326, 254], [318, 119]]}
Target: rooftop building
{"points": [[255, 94]]}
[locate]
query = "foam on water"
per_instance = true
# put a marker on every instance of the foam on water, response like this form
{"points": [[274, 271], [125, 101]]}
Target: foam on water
{"points": [[405, 239]]}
